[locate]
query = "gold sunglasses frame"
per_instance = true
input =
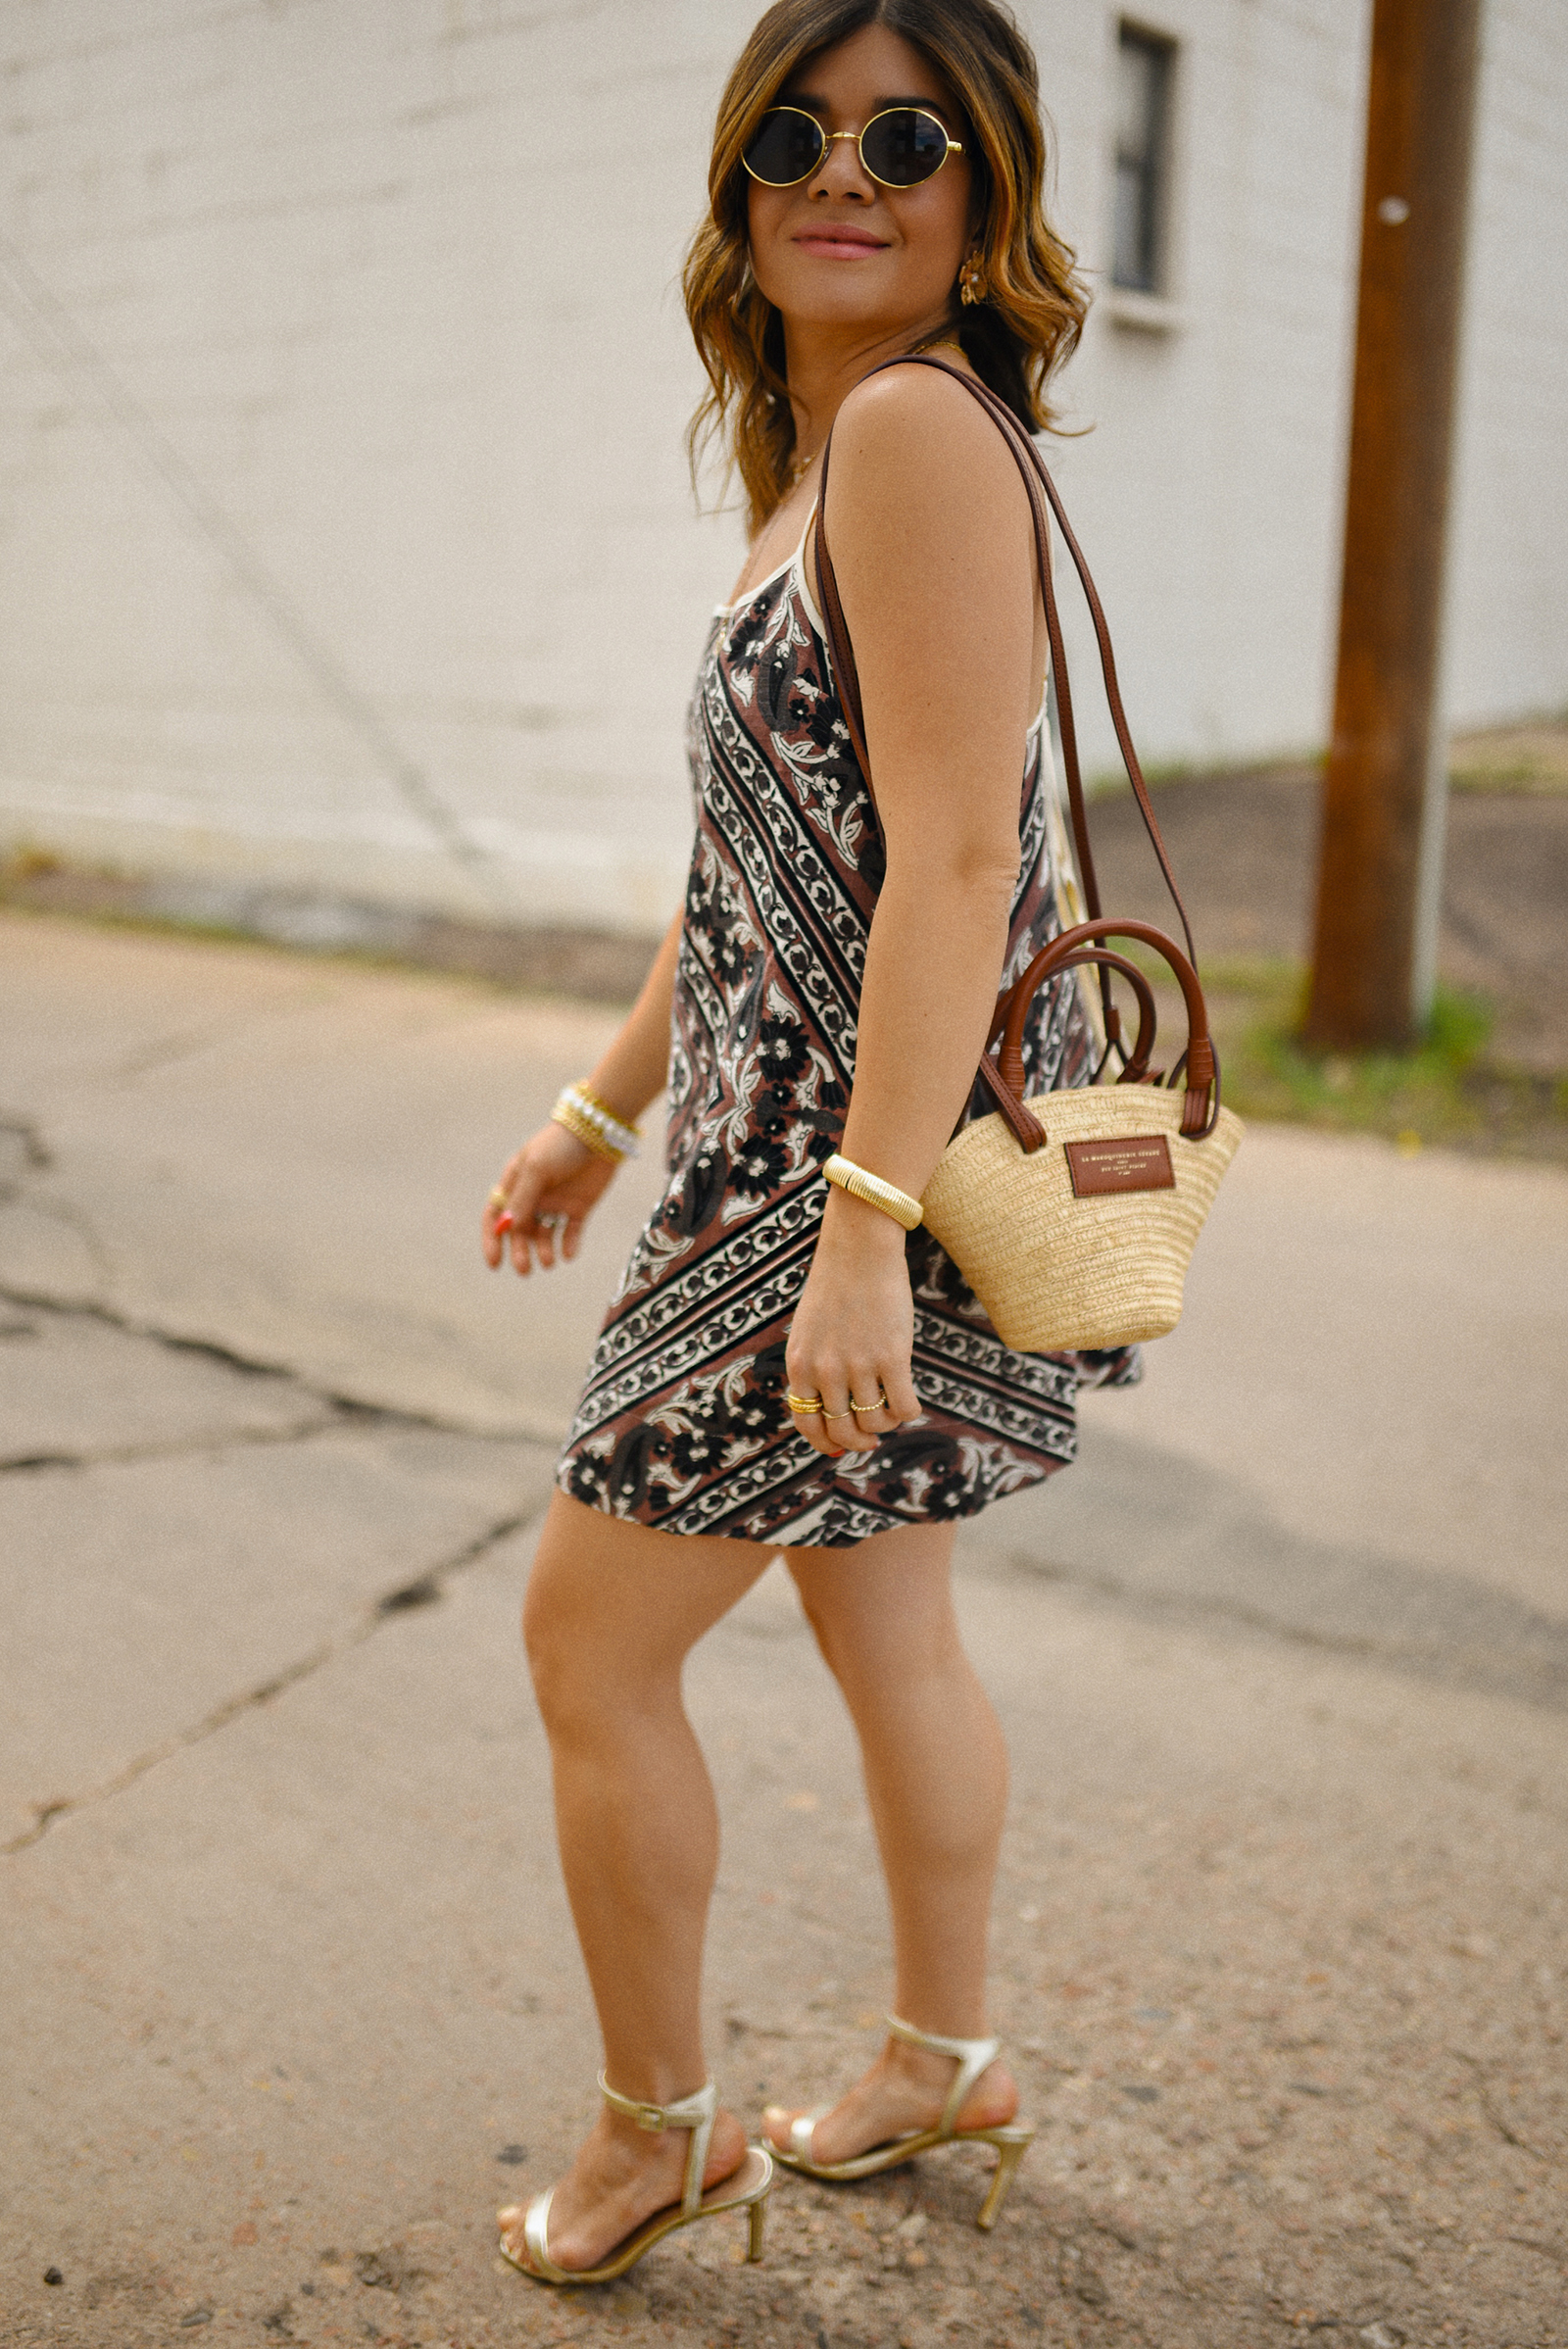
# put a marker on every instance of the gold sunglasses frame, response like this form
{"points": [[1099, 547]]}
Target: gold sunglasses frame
{"points": [[899, 187]]}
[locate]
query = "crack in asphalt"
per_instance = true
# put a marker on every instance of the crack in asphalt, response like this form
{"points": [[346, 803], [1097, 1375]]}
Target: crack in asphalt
{"points": [[345, 1407], [38, 1156], [1499, 2121], [61, 1211], [34, 1150], [166, 1052], [1530, 1667], [424, 1591], [1557, 2253], [116, 1455]]}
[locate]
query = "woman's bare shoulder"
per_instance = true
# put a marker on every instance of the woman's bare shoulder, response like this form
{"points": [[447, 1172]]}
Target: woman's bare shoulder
{"points": [[912, 432]]}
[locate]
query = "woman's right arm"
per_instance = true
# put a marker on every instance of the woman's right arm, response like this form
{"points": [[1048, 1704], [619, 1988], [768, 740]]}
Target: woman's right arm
{"points": [[555, 1174]]}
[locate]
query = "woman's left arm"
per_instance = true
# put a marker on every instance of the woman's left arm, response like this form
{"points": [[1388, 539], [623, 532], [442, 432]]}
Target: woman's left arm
{"points": [[934, 551]]}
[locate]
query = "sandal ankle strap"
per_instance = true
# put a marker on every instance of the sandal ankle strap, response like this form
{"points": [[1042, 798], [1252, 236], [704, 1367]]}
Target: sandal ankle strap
{"points": [[696, 2112], [972, 2056]]}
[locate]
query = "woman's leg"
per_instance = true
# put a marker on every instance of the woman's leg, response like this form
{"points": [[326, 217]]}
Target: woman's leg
{"points": [[936, 1778], [610, 1614]]}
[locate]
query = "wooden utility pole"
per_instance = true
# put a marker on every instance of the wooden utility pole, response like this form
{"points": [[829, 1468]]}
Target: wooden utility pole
{"points": [[1381, 861]]}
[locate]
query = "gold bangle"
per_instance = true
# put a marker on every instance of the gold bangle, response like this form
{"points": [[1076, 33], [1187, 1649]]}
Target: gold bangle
{"points": [[582, 1129], [597, 1100], [875, 1192], [581, 1111]]}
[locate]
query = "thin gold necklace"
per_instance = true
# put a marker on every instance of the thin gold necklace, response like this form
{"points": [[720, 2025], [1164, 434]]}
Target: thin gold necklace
{"points": [[944, 342]]}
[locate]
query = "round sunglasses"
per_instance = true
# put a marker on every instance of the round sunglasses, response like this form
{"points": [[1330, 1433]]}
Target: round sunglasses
{"points": [[897, 148]]}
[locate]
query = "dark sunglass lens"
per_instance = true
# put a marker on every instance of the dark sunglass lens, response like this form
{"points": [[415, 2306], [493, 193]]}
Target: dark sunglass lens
{"points": [[785, 147], [903, 146]]}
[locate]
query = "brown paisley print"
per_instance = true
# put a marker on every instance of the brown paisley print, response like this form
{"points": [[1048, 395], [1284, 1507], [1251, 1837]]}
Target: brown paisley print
{"points": [[682, 1424]]}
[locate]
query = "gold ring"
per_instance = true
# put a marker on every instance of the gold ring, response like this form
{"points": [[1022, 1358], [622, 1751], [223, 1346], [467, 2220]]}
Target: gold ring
{"points": [[498, 1198], [805, 1406], [880, 1405], [844, 1414]]}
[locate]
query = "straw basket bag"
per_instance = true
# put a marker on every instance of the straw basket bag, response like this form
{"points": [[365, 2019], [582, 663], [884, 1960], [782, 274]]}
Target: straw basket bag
{"points": [[1072, 1215]]}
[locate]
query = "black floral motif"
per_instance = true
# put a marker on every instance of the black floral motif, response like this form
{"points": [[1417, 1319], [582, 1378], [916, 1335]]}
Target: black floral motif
{"points": [[915, 1452], [683, 1423], [758, 1168], [756, 1415], [698, 1450], [583, 1478], [731, 956], [823, 1132], [814, 714], [781, 1047]]}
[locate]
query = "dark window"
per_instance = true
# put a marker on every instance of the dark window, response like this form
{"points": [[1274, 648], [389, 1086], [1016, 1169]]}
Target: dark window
{"points": [[1143, 72]]}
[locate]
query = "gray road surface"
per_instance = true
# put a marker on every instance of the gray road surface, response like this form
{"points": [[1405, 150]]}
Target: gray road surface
{"points": [[290, 1996]]}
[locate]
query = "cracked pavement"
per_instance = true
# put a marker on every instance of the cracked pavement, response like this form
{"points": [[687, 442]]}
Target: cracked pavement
{"points": [[290, 1996]]}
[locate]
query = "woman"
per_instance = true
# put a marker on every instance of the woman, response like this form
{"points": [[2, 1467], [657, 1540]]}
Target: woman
{"points": [[786, 1369]]}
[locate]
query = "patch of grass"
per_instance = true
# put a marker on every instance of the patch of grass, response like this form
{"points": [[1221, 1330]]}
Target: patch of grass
{"points": [[1529, 760], [1526, 760], [1447, 1091]]}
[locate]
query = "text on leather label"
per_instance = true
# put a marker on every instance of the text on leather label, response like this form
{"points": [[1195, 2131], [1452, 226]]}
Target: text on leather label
{"points": [[1136, 1162]]}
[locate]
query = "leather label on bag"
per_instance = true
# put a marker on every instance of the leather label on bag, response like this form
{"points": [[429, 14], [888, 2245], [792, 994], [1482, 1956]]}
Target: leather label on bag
{"points": [[1137, 1162]]}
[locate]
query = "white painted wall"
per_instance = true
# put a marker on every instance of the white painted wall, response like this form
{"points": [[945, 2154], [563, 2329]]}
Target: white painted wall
{"points": [[392, 284]]}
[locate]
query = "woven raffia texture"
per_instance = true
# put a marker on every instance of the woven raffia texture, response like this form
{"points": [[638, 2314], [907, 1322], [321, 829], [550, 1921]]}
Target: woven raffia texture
{"points": [[1055, 1271]]}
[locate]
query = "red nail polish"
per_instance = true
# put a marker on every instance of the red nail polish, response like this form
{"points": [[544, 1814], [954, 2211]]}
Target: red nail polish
{"points": [[503, 1223]]}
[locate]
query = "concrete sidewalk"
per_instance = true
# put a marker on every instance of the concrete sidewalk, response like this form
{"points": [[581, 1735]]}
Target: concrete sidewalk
{"points": [[290, 1991]]}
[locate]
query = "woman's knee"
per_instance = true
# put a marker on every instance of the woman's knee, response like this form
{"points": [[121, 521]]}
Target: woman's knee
{"points": [[591, 1664], [870, 1636], [572, 1664]]}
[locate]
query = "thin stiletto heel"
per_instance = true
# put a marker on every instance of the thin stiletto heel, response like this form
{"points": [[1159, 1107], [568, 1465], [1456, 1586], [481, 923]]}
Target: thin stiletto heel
{"points": [[1011, 2139], [747, 2190], [1009, 2153]]}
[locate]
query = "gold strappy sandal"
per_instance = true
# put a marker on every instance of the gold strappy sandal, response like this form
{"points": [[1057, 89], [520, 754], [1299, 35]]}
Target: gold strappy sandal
{"points": [[747, 2190], [1011, 2139]]}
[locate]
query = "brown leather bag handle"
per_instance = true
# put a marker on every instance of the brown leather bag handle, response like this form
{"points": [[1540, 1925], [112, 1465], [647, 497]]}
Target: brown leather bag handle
{"points": [[1009, 1100], [1035, 476], [1201, 1100], [1134, 1070]]}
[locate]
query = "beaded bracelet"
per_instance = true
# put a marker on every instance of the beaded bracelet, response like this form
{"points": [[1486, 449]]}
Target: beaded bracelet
{"points": [[595, 1124]]}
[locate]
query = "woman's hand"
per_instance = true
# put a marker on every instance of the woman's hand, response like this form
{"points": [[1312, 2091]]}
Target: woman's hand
{"points": [[854, 1331], [548, 1190]]}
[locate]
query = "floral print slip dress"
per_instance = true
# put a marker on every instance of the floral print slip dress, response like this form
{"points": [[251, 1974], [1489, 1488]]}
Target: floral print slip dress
{"points": [[682, 1424]]}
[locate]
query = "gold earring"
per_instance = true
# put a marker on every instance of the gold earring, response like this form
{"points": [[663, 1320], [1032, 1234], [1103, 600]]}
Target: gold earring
{"points": [[972, 280]]}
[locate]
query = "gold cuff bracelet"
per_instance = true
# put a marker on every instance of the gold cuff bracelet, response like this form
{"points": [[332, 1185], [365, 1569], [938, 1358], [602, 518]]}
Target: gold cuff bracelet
{"points": [[875, 1192]]}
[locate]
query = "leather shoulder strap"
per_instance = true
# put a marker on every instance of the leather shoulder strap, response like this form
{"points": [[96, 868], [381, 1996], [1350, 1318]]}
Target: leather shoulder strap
{"points": [[1039, 488]]}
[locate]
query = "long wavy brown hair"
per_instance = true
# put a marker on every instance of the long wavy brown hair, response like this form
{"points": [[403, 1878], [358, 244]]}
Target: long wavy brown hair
{"points": [[1034, 304]]}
